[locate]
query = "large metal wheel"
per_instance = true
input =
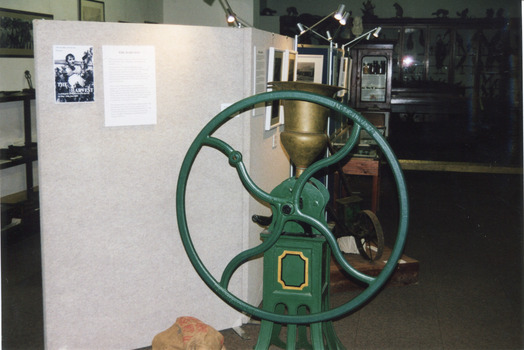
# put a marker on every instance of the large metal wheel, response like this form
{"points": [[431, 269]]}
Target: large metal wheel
{"points": [[288, 208], [369, 235]]}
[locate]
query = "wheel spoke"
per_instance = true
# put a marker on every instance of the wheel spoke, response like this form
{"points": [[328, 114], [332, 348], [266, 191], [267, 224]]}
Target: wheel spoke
{"points": [[335, 250], [244, 256], [235, 160]]}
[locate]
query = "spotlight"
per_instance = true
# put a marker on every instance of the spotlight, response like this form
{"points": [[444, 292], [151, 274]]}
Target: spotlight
{"points": [[340, 12], [341, 15], [301, 28], [230, 16], [373, 32], [344, 19]]}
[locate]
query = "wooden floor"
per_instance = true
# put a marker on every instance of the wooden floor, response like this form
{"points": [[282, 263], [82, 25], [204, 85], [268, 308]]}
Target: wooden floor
{"points": [[406, 272]]}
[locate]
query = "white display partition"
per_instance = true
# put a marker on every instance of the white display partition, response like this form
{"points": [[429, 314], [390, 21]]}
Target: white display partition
{"points": [[114, 270]]}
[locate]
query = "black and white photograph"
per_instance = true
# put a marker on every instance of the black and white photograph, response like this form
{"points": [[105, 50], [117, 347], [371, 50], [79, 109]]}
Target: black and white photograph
{"points": [[16, 32], [74, 73], [309, 68]]}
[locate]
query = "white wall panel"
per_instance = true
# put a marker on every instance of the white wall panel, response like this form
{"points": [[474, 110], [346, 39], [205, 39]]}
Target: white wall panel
{"points": [[114, 269]]}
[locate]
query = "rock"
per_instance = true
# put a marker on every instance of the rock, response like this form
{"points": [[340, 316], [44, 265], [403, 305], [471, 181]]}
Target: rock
{"points": [[189, 333]]}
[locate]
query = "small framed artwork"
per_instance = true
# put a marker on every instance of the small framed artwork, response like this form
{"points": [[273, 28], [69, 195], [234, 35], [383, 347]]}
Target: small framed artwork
{"points": [[343, 76], [91, 10], [292, 65], [21, 23], [310, 68], [277, 70]]}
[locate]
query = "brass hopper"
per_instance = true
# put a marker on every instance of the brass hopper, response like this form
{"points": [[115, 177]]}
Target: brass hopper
{"points": [[305, 123]]}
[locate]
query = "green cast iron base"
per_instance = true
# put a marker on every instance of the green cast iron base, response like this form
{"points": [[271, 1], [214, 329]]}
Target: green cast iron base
{"points": [[296, 274], [296, 282]]}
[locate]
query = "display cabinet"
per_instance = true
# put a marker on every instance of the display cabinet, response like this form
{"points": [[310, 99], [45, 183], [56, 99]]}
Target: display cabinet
{"points": [[370, 95], [470, 62], [20, 205], [371, 76], [371, 82]]}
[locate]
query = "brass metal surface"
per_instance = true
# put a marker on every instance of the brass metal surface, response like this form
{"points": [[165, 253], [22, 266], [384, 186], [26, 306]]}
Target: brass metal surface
{"points": [[304, 136]]}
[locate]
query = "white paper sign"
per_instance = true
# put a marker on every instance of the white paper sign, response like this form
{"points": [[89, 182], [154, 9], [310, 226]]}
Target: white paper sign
{"points": [[129, 85]]}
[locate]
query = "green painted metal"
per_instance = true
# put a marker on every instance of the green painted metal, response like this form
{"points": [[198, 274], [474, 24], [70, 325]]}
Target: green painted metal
{"points": [[311, 265], [287, 208]]}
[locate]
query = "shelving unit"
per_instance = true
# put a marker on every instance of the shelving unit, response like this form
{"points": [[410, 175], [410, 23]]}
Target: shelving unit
{"points": [[471, 60], [456, 88], [24, 205]]}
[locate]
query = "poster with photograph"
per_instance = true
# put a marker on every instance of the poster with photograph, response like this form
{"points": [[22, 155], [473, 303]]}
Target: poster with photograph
{"points": [[74, 73]]}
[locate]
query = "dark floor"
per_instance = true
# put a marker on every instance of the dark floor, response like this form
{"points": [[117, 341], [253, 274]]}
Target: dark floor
{"points": [[466, 231]]}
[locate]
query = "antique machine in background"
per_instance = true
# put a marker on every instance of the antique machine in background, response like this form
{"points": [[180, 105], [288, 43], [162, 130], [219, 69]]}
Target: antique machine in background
{"points": [[298, 245]]}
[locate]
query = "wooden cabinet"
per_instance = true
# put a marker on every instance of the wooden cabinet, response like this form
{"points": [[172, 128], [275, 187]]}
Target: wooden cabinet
{"points": [[371, 76], [371, 82], [370, 95]]}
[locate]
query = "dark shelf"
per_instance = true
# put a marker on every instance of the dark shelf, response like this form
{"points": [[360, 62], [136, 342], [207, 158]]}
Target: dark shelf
{"points": [[11, 96], [24, 205]]}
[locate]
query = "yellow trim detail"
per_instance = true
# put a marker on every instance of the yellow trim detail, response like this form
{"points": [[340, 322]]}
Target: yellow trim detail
{"points": [[306, 269]]}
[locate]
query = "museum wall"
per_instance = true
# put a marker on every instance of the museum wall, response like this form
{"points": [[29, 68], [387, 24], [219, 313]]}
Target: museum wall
{"points": [[12, 70], [114, 267]]}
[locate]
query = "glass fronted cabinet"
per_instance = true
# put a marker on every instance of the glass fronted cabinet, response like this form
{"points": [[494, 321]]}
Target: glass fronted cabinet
{"points": [[371, 76], [471, 56]]}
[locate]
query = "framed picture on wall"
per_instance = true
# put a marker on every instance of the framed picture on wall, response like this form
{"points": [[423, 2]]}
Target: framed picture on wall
{"points": [[343, 76], [16, 32], [277, 70], [292, 65], [310, 68], [91, 10]]}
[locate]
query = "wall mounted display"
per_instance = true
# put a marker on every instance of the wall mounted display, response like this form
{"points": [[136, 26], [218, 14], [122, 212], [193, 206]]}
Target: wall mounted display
{"points": [[310, 68], [91, 10], [344, 75], [16, 32], [277, 70], [325, 58], [292, 65], [74, 73]]}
